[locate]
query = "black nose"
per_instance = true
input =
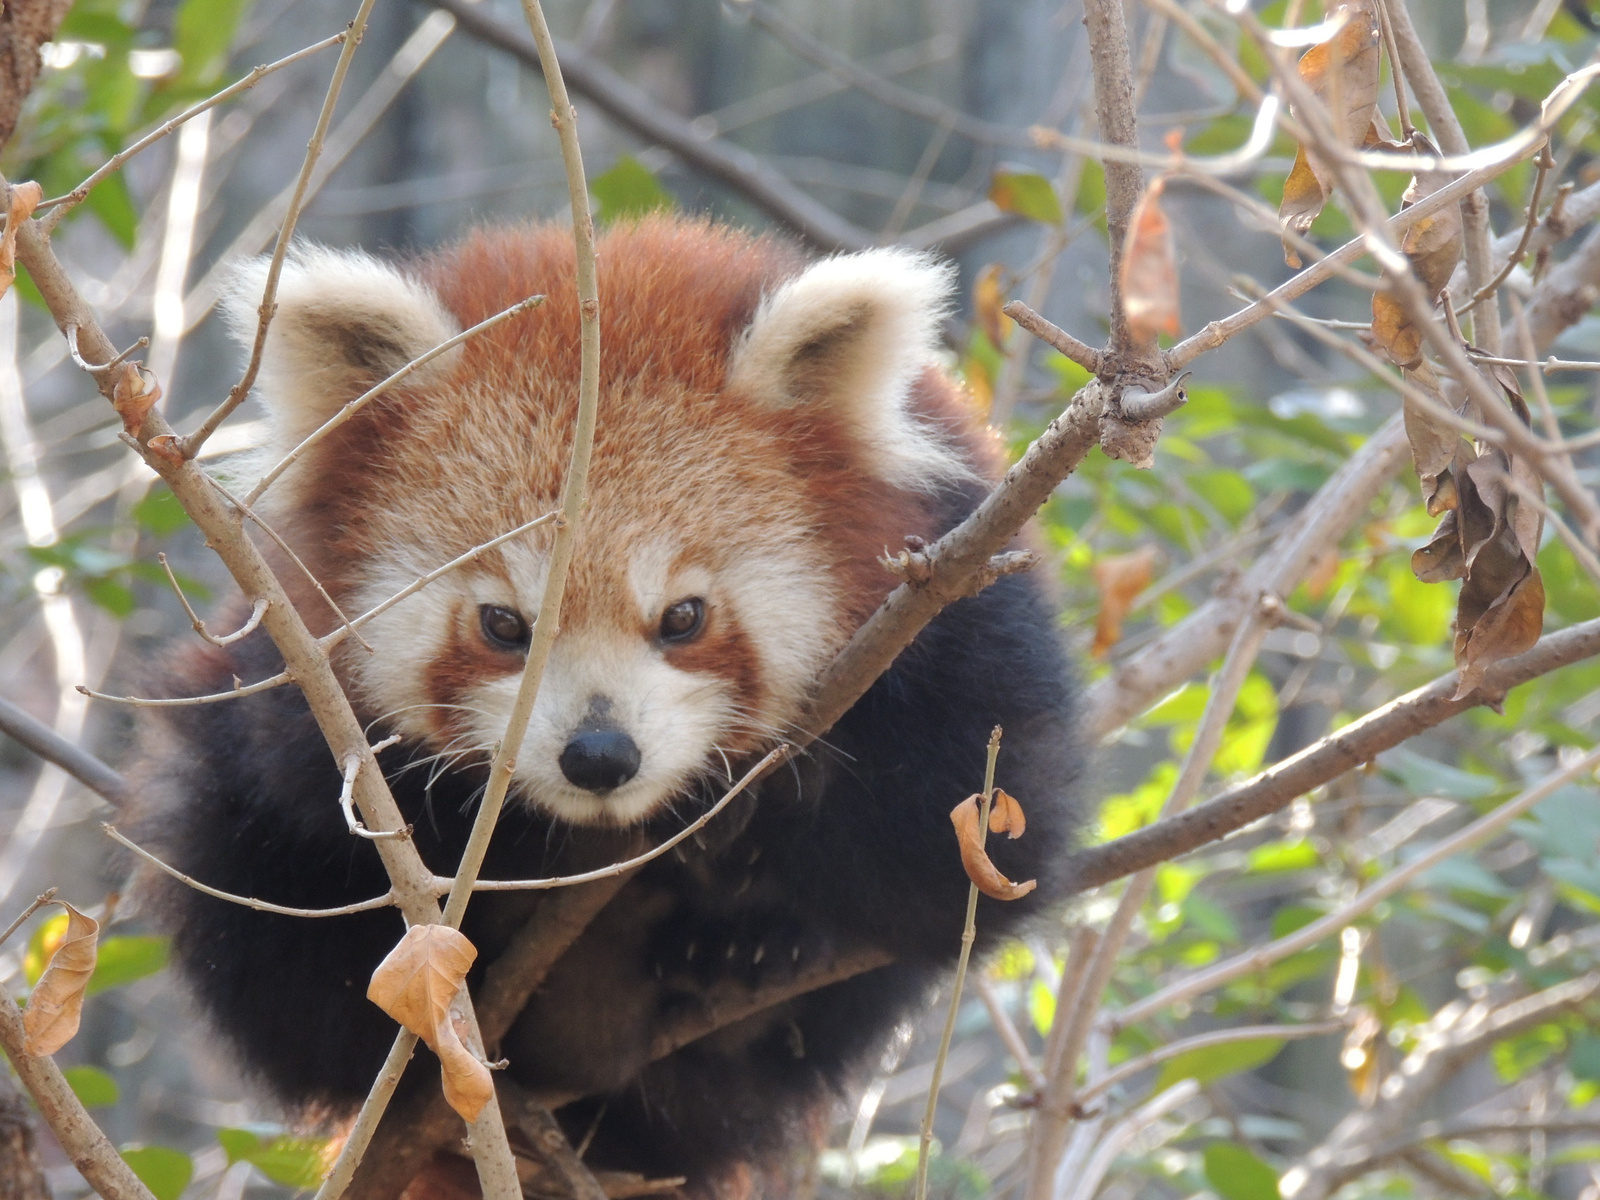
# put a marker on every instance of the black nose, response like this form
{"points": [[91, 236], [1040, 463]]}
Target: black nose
{"points": [[599, 759]]}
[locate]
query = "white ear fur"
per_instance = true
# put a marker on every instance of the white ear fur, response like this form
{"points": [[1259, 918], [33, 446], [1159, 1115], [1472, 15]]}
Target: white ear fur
{"points": [[345, 321], [853, 333]]}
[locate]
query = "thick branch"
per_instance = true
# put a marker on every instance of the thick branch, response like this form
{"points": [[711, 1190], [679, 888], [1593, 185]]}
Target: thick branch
{"points": [[53, 748], [959, 560], [1359, 742], [88, 1148], [1119, 126], [25, 25]]}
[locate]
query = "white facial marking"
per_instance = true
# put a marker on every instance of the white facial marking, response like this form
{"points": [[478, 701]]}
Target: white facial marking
{"points": [[680, 720]]}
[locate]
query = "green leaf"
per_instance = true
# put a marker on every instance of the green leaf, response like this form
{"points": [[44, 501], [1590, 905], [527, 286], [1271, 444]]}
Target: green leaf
{"points": [[628, 189], [92, 1086], [160, 512], [1027, 194], [296, 1162], [1236, 1174], [1298, 855], [1515, 1057], [112, 596], [1424, 777], [165, 1171], [111, 202], [1584, 1061], [1210, 1063], [202, 33], [124, 959]]}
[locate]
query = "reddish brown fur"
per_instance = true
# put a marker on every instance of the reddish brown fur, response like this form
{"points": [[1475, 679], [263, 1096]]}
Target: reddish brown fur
{"points": [[671, 453]]}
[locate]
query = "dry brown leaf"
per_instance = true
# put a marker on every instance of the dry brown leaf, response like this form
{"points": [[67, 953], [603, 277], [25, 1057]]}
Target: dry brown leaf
{"points": [[134, 396], [987, 301], [1343, 73], [1441, 559], [983, 873], [1120, 578], [416, 985], [1149, 273], [25, 198], [56, 1004], [1435, 443], [1006, 815], [1433, 247]]}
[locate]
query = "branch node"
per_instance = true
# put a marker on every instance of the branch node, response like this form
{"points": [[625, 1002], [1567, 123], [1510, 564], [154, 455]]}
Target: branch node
{"points": [[1139, 404]]}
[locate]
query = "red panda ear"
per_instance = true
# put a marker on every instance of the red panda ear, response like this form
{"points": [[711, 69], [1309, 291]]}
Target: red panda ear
{"points": [[344, 321], [852, 334]]}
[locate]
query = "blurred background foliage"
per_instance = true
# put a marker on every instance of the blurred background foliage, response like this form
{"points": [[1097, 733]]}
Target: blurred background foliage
{"points": [[442, 132]]}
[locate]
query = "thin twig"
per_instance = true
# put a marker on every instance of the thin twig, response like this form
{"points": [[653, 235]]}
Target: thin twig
{"points": [[1085, 355], [39, 901], [63, 204], [387, 900], [969, 934], [1203, 1041], [257, 611], [1545, 162], [422, 581], [772, 759], [1396, 76], [347, 802], [244, 689], [372, 393], [1007, 1029], [1257, 959], [189, 446]]}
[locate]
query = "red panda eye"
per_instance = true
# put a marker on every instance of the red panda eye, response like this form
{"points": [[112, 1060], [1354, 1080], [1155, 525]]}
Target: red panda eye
{"points": [[503, 628], [683, 621]]}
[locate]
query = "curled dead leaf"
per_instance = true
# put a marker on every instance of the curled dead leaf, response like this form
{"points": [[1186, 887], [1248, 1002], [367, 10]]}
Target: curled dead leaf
{"points": [[987, 300], [1149, 272], [134, 396], [25, 198], [985, 876], [416, 984], [1343, 73], [56, 1005], [1433, 247], [1006, 815], [1120, 578]]}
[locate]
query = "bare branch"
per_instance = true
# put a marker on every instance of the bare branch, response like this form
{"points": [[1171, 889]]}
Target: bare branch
{"points": [[257, 611], [1203, 1041], [423, 581], [1084, 355], [53, 748], [772, 759], [1344, 750], [1218, 332], [1444, 1048], [957, 559], [386, 900], [1446, 127], [64, 204], [244, 689], [24, 28], [642, 115], [1112, 64], [87, 1147], [1186, 648], [891, 95], [372, 393], [189, 446]]}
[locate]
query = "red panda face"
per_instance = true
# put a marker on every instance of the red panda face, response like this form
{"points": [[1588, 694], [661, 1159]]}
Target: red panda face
{"points": [[766, 430]]}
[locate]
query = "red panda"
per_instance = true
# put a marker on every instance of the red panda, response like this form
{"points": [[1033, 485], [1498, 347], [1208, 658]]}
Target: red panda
{"points": [[768, 427]]}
